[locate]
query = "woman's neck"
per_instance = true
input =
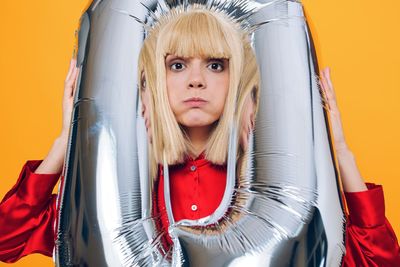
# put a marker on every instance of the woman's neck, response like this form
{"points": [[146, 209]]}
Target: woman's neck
{"points": [[198, 136]]}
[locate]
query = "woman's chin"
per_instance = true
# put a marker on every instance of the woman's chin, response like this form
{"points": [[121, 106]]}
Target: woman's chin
{"points": [[196, 122]]}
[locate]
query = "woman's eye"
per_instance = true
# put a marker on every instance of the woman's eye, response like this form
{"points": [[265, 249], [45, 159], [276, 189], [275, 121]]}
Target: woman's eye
{"points": [[216, 66], [177, 66]]}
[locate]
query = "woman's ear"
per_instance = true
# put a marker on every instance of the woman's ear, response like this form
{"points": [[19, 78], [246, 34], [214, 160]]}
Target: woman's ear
{"points": [[145, 98], [143, 83], [247, 120]]}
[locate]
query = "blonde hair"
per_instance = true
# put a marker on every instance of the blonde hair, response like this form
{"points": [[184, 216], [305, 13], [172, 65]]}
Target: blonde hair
{"points": [[250, 85], [196, 32], [147, 80]]}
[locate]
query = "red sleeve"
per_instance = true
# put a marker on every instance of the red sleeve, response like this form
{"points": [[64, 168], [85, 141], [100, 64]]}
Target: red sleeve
{"points": [[370, 239], [27, 214]]}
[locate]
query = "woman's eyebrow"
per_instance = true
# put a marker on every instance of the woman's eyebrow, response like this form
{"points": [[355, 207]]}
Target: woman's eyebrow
{"points": [[216, 59], [173, 57]]}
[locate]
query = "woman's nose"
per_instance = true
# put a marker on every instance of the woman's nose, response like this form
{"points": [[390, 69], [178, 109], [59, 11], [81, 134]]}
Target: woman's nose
{"points": [[196, 79], [196, 84]]}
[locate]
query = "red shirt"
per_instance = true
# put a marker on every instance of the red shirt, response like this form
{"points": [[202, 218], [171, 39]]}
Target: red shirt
{"points": [[196, 189], [28, 212]]}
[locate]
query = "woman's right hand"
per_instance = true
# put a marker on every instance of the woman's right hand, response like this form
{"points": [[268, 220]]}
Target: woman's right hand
{"points": [[68, 98], [54, 161]]}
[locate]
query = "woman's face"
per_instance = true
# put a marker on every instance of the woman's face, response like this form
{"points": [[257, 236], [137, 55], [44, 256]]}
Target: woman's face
{"points": [[197, 89]]}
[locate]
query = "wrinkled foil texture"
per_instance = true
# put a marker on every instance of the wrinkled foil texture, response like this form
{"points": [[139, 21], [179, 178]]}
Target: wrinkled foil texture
{"points": [[287, 209]]}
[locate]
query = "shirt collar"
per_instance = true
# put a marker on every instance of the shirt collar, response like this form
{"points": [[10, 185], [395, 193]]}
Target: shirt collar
{"points": [[199, 161]]}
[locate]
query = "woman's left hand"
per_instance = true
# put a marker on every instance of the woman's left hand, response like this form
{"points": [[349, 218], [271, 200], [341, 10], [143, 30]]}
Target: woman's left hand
{"points": [[349, 173], [331, 104]]}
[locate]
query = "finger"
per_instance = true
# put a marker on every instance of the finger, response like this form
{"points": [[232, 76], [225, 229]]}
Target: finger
{"points": [[72, 64], [324, 90], [68, 89], [70, 85], [73, 77], [325, 87], [328, 77], [75, 82], [331, 99], [329, 88], [71, 67], [324, 97], [329, 85], [321, 86]]}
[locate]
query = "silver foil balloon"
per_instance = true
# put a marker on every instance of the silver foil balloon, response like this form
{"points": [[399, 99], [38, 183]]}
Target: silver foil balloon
{"points": [[100, 222], [287, 211]]}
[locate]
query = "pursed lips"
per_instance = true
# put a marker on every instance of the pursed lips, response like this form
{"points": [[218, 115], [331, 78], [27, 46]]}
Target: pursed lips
{"points": [[195, 101]]}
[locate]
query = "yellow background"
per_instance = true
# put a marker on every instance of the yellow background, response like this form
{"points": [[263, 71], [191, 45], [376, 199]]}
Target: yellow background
{"points": [[359, 40]]}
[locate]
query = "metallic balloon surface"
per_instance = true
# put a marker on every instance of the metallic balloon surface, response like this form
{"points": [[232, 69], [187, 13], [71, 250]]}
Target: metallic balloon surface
{"points": [[287, 210]]}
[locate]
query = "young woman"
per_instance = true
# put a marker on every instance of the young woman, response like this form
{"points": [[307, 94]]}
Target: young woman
{"points": [[188, 86]]}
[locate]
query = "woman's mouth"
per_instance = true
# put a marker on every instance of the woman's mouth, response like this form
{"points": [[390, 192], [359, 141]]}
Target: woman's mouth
{"points": [[195, 102]]}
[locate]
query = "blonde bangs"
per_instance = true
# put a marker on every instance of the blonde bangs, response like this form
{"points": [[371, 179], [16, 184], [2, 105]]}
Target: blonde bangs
{"points": [[197, 34]]}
